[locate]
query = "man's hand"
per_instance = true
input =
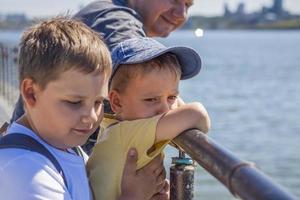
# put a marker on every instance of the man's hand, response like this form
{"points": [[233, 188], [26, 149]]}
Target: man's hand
{"points": [[164, 194], [146, 183]]}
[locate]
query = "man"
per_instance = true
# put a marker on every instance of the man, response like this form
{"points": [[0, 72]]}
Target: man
{"points": [[117, 20]]}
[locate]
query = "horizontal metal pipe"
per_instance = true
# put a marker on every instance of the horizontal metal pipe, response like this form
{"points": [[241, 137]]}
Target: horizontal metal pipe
{"points": [[242, 178]]}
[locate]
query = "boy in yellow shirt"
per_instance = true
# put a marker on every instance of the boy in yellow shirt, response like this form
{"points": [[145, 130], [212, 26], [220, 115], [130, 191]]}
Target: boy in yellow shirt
{"points": [[143, 93]]}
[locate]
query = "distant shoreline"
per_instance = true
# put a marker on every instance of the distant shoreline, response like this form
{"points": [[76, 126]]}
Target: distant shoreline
{"points": [[194, 22]]}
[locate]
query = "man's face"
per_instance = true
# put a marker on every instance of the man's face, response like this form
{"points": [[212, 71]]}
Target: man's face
{"points": [[69, 109], [161, 17]]}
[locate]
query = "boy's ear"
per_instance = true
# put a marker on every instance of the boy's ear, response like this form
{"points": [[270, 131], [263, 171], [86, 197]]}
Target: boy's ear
{"points": [[28, 91], [115, 101]]}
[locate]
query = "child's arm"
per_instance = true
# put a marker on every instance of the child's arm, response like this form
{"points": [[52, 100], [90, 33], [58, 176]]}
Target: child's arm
{"points": [[192, 115]]}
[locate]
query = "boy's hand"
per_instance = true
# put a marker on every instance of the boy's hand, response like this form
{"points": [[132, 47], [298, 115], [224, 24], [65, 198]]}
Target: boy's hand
{"points": [[146, 183]]}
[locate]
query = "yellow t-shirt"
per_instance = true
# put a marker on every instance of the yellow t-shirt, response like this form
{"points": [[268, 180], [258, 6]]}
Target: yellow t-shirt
{"points": [[106, 163]]}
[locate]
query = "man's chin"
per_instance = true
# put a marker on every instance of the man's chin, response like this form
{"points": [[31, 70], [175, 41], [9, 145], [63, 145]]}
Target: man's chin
{"points": [[158, 33], [163, 34], [166, 32]]}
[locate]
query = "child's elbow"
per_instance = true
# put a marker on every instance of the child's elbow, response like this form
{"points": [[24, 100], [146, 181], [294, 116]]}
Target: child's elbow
{"points": [[201, 117]]}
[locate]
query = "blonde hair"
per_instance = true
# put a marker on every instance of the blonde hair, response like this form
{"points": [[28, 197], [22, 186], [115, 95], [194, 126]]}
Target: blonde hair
{"points": [[59, 44], [127, 72]]}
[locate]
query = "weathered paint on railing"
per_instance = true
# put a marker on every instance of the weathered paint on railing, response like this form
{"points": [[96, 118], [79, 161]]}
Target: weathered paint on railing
{"points": [[242, 178]]}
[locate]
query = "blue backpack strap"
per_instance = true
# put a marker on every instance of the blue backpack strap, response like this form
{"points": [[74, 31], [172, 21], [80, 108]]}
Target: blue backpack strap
{"points": [[22, 141]]}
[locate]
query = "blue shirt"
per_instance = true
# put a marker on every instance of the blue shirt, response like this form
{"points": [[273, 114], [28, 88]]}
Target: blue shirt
{"points": [[29, 175], [113, 20]]}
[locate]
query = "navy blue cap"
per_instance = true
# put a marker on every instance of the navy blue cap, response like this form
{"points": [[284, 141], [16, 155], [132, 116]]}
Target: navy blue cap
{"points": [[139, 50]]}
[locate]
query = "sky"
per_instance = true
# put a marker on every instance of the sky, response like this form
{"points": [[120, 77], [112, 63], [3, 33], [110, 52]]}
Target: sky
{"points": [[38, 8]]}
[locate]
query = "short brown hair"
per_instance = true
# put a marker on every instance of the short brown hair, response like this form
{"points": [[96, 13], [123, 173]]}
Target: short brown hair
{"points": [[59, 44], [128, 72]]}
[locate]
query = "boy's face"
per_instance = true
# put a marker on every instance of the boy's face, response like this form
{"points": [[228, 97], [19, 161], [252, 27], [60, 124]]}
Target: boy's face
{"points": [[149, 95], [69, 109]]}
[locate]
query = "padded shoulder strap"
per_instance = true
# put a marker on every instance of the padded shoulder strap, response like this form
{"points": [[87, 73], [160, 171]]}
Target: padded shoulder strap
{"points": [[21, 141]]}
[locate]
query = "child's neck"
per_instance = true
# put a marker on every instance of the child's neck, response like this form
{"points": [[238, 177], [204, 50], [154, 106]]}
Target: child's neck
{"points": [[119, 117], [27, 122]]}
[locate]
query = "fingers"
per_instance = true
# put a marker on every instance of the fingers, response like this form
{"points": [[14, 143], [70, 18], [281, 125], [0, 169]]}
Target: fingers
{"points": [[161, 175], [163, 194], [166, 189], [160, 197], [155, 164], [130, 165], [163, 186], [156, 170]]}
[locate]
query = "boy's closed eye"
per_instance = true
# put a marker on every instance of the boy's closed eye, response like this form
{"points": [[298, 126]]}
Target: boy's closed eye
{"points": [[79, 102], [73, 102]]}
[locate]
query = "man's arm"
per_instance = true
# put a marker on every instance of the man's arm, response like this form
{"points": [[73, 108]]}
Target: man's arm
{"points": [[147, 183]]}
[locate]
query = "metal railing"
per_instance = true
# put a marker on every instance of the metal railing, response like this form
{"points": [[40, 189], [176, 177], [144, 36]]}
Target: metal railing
{"points": [[242, 178], [8, 73]]}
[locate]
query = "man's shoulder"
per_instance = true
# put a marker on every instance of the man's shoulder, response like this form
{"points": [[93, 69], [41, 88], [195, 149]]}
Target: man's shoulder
{"points": [[103, 6]]}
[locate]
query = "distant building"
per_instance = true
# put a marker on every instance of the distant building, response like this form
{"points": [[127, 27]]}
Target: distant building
{"points": [[277, 7], [227, 12], [240, 11], [16, 18], [266, 14]]}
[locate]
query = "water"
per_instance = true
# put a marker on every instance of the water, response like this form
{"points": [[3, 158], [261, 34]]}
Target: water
{"points": [[250, 84]]}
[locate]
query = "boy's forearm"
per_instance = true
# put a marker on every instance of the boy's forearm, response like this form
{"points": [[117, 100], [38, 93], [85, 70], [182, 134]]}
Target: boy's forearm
{"points": [[204, 123], [192, 115]]}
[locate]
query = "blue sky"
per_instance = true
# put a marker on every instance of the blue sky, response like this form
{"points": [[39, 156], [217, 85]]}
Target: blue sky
{"points": [[33, 8]]}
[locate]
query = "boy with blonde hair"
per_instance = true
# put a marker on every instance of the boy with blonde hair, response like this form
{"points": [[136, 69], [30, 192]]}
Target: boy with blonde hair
{"points": [[64, 68], [144, 95], [63, 71]]}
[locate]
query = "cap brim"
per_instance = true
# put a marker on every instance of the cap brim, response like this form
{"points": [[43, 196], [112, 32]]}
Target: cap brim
{"points": [[188, 59]]}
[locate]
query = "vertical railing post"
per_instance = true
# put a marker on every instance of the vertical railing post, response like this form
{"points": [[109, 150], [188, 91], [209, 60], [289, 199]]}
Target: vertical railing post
{"points": [[8, 73], [182, 178], [2, 70]]}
